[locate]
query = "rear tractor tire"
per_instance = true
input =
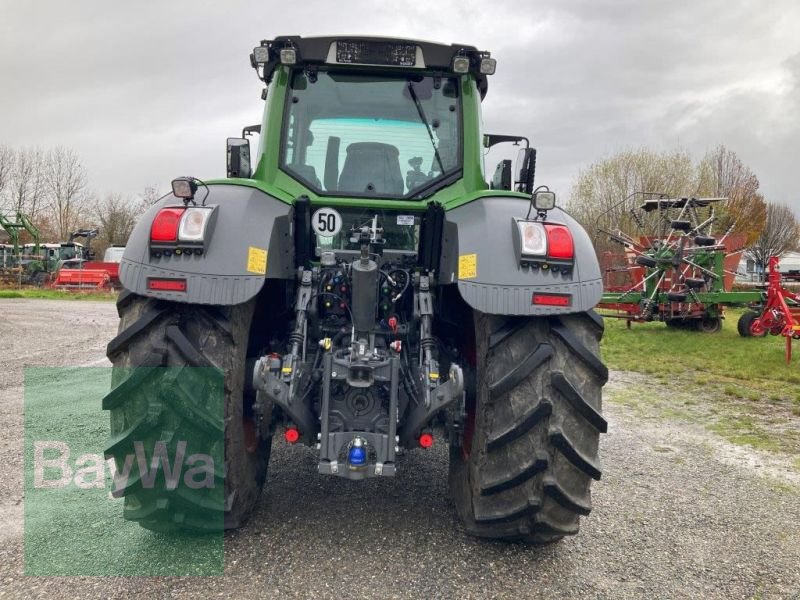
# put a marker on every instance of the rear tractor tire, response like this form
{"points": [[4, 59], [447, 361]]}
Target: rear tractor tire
{"points": [[155, 333], [530, 448]]}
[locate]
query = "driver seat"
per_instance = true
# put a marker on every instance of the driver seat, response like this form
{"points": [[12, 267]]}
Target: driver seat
{"points": [[372, 167]]}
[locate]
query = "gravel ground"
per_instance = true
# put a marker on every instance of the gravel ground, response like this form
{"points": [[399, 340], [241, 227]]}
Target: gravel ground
{"points": [[680, 513]]}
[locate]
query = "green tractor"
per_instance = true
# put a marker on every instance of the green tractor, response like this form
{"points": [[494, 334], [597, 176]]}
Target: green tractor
{"points": [[366, 293], [22, 263]]}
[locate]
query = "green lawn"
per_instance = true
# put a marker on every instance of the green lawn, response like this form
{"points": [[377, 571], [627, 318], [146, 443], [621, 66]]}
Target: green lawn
{"points": [[55, 294], [740, 388]]}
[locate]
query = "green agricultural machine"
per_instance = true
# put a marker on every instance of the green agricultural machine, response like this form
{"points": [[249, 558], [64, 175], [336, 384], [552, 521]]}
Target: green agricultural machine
{"points": [[366, 293], [36, 263], [22, 263], [675, 270]]}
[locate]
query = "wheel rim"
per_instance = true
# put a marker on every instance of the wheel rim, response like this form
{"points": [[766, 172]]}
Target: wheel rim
{"points": [[709, 325]]}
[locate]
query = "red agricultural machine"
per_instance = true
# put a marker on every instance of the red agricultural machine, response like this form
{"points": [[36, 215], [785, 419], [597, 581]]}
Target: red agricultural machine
{"points": [[89, 275], [779, 315]]}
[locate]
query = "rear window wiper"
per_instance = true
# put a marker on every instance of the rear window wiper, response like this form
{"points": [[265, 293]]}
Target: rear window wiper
{"points": [[424, 120]]}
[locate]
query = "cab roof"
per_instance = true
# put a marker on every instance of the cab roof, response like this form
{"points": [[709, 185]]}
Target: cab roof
{"points": [[385, 53]]}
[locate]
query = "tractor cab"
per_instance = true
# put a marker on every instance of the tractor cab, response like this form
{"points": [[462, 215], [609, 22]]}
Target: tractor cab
{"points": [[373, 118]]}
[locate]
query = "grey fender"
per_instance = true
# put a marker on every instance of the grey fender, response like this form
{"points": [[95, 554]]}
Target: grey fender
{"points": [[494, 282], [247, 223]]}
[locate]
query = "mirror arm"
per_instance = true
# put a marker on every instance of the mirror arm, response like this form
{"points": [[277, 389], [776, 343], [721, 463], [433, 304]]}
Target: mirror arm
{"points": [[250, 130], [492, 139]]}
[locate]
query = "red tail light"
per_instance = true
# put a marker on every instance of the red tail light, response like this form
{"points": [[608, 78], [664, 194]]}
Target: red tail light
{"points": [[559, 242], [552, 299], [165, 225], [167, 285]]}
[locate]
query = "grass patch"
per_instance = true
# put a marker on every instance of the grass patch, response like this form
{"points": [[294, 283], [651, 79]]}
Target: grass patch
{"points": [[46, 294], [743, 430], [751, 368], [739, 388]]}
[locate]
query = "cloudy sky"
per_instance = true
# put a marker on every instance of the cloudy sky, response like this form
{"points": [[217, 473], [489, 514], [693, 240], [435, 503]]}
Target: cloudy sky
{"points": [[148, 90]]}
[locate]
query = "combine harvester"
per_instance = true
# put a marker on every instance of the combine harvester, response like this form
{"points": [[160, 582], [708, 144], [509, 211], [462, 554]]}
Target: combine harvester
{"points": [[681, 275]]}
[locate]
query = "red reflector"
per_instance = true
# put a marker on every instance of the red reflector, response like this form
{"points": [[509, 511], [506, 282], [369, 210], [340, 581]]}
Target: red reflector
{"points": [[165, 225], [426, 440], [552, 299], [167, 285], [559, 242], [292, 435]]}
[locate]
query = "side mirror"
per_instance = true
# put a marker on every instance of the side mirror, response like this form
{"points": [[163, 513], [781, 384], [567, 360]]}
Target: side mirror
{"points": [[526, 169], [238, 157], [502, 176]]}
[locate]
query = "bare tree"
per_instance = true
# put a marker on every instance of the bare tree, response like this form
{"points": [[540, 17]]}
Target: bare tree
{"points": [[26, 182], [6, 169], [781, 233], [66, 187], [116, 216], [722, 174], [149, 196], [599, 191]]}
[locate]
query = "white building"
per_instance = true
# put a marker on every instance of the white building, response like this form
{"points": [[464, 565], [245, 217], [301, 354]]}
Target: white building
{"points": [[748, 271]]}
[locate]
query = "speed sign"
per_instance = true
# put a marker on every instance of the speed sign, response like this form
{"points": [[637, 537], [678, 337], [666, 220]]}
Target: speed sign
{"points": [[326, 222]]}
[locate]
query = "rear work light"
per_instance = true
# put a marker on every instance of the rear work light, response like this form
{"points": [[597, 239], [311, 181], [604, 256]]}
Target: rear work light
{"points": [[165, 225], [167, 285]]}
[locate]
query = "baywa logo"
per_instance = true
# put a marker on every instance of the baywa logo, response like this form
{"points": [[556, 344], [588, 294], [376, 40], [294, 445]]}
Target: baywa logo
{"points": [[53, 468]]}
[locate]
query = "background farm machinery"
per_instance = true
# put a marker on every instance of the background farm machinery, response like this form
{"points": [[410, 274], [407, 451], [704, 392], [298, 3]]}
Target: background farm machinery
{"points": [[679, 273], [778, 315], [64, 265], [675, 271]]}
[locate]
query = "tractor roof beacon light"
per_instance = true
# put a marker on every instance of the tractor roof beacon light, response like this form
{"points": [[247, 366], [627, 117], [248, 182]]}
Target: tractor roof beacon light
{"points": [[185, 188]]}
